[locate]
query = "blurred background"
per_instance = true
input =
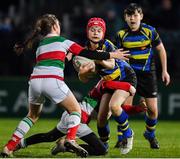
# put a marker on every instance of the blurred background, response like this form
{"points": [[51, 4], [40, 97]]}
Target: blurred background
{"points": [[16, 20]]}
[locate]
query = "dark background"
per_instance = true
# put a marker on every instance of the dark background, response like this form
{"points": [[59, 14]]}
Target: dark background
{"points": [[17, 17]]}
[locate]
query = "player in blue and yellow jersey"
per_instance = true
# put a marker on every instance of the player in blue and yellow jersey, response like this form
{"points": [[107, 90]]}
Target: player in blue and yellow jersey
{"points": [[140, 39], [110, 70]]}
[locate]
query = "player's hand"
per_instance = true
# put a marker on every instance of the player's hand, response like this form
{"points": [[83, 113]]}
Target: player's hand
{"points": [[120, 54], [165, 77], [87, 67], [85, 72]]}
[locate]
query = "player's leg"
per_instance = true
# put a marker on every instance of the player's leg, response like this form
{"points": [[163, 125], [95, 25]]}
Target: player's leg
{"points": [[22, 129], [94, 146], [128, 101], [35, 99], [72, 106], [50, 136], [121, 118], [102, 119], [74, 118], [147, 88], [151, 122]]}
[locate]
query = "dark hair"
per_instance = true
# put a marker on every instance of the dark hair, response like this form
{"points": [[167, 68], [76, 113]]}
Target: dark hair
{"points": [[131, 9], [42, 27]]}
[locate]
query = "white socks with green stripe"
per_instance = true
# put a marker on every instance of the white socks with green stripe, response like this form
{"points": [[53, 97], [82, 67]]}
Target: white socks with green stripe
{"points": [[73, 124], [23, 127], [19, 133]]}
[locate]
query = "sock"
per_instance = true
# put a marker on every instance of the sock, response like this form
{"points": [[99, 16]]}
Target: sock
{"points": [[122, 120], [150, 126], [19, 133], [119, 133], [131, 110], [73, 124], [104, 134]]}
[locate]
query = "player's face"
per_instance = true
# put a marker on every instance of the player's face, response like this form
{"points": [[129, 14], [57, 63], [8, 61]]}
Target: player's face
{"points": [[134, 20], [95, 33]]}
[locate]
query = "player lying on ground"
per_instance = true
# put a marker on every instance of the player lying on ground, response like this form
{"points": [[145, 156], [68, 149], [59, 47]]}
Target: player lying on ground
{"points": [[94, 146]]}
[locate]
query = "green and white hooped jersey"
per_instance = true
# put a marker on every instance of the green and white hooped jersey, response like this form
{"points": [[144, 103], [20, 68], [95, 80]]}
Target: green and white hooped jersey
{"points": [[50, 56]]}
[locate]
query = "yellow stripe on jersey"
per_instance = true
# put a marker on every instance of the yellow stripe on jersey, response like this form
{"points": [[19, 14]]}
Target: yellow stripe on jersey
{"points": [[121, 33], [110, 42], [104, 47], [112, 76], [140, 57], [136, 44], [147, 32]]}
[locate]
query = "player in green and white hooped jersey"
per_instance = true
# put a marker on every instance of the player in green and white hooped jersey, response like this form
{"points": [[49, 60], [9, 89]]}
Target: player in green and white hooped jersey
{"points": [[47, 79]]}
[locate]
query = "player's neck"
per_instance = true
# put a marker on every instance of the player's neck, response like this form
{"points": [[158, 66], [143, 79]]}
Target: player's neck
{"points": [[93, 46]]}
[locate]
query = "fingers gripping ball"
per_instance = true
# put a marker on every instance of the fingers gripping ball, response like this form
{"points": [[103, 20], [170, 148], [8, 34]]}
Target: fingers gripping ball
{"points": [[78, 61]]}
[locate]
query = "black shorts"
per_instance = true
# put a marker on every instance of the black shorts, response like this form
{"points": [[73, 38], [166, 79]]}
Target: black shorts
{"points": [[131, 79], [146, 84]]}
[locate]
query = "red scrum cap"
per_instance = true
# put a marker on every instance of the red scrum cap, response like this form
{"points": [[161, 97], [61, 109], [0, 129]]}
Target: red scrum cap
{"points": [[96, 22]]}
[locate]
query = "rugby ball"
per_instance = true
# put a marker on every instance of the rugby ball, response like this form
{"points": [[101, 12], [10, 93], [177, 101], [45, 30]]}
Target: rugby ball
{"points": [[80, 60]]}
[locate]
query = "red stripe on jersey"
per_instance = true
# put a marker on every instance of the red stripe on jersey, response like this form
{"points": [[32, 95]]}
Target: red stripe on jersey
{"points": [[54, 55], [75, 48], [47, 76]]}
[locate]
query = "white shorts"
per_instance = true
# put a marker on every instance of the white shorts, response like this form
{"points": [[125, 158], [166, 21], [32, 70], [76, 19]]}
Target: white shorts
{"points": [[62, 126], [52, 88]]}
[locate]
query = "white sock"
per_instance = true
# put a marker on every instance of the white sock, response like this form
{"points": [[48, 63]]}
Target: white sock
{"points": [[23, 127]]}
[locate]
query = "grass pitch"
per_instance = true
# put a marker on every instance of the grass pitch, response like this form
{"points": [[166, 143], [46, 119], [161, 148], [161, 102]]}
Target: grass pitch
{"points": [[168, 134]]}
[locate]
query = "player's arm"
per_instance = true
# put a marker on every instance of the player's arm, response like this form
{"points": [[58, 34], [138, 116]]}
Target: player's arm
{"points": [[108, 64], [79, 50], [163, 58], [157, 43]]}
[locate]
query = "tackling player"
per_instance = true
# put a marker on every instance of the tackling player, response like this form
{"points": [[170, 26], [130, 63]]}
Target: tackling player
{"points": [[47, 79]]}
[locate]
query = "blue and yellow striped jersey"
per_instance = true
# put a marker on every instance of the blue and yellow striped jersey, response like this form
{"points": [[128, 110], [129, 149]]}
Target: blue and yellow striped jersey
{"points": [[120, 69], [140, 44]]}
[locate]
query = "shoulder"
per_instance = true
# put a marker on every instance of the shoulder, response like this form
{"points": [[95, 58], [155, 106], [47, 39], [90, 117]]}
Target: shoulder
{"points": [[122, 32], [63, 38], [149, 27], [108, 45], [107, 41]]}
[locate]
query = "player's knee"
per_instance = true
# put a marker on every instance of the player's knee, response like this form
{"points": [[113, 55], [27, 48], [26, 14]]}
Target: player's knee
{"points": [[152, 112], [116, 110]]}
